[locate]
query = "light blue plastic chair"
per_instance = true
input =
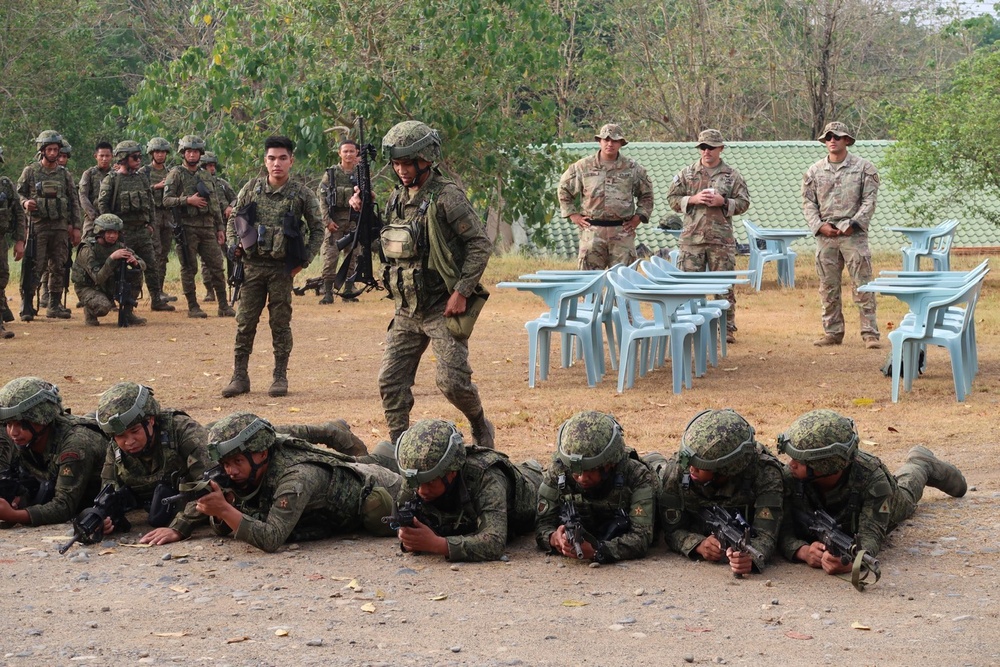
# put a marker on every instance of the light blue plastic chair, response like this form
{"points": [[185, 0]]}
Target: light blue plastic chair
{"points": [[777, 248], [932, 242]]}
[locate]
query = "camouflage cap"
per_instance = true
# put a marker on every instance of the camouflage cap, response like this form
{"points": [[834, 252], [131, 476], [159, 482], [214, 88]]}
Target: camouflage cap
{"points": [[837, 129], [66, 148], [611, 131], [157, 144], [108, 222], [718, 440], [30, 399], [209, 158], [429, 449], [412, 139], [239, 433], [46, 137], [711, 138], [822, 439], [589, 440], [123, 405]]}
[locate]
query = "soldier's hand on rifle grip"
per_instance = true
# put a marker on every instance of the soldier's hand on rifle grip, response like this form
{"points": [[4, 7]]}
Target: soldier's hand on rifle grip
{"points": [[831, 564], [739, 561], [812, 554], [561, 543], [710, 549], [109, 526], [122, 253], [420, 538], [30, 205]]}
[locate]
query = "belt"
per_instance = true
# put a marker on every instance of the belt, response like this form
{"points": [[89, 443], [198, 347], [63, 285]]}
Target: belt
{"points": [[606, 223]]}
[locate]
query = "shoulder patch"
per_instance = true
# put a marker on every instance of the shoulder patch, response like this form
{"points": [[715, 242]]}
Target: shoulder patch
{"points": [[765, 514], [884, 509], [463, 227], [69, 457]]}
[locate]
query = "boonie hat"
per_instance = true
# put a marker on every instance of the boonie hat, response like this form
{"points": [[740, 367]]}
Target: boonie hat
{"points": [[612, 131], [837, 129]]}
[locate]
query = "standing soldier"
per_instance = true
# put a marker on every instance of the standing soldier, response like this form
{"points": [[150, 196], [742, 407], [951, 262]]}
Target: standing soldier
{"points": [[281, 206], [48, 196], [126, 193], [95, 272], [227, 197], [65, 153], [191, 191], [90, 184], [335, 192], [12, 226], [708, 194], [163, 229], [608, 186], [838, 200]]}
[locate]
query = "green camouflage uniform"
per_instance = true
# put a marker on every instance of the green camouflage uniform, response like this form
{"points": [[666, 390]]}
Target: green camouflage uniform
{"points": [[89, 192], [608, 192], [756, 494], [163, 231], [421, 295], [95, 276], [337, 186], [309, 493], [844, 195], [707, 242], [630, 490], [58, 211], [200, 226], [129, 196], [12, 223], [266, 280], [490, 501]]}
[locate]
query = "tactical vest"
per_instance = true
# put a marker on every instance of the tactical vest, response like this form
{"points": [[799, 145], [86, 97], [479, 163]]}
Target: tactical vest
{"points": [[858, 484], [50, 192], [92, 254], [271, 211], [130, 471], [8, 198], [155, 177], [596, 512], [130, 198], [189, 186]]}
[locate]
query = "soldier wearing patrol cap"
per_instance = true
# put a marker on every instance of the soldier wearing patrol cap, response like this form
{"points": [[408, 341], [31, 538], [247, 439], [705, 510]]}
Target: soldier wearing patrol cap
{"points": [[11, 227], [615, 195], [838, 200], [721, 464], [470, 500], [612, 490], [827, 471]]}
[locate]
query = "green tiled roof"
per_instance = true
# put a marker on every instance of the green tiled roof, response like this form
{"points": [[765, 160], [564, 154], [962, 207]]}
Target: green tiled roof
{"points": [[773, 172]]}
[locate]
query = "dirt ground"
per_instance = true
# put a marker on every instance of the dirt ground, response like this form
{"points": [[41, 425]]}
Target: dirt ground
{"points": [[359, 601]]}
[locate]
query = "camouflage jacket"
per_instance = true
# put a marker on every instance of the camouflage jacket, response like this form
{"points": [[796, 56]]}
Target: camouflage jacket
{"points": [[630, 491], [756, 494], [607, 190], [334, 193], [271, 208], [181, 184], [94, 268], [840, 193], [90, 191], [128, 196], [54, 193], [705, 225], [178, 455], [227, 195], [12, 219], [865, 503], [490, 501], [155, 176], [72, 459]]}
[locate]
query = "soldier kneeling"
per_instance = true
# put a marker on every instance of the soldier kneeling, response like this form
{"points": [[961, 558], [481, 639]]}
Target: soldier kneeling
{"points": [[97, 268]]}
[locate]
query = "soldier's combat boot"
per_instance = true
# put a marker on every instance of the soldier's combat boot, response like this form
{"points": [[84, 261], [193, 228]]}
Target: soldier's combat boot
{"points": [[90, 319], [43, 300], [348, 290], [5, 313], [482, 431], [336, 435], [167, 297], [55, 311], [4, 332], [279, 387], [209, 295], [194, 310], [384, 453], [225, 310], [135, 321], [160, 302], [240, 382], [828, 340], [327, 293], [940, 474]]}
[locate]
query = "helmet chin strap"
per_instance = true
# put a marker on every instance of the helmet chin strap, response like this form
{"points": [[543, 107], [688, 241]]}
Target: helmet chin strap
{"points": [[26, 425], [149, 437], [251, 482]]}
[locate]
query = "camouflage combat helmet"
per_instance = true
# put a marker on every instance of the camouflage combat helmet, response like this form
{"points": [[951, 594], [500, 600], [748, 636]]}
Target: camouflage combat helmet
{"points": [[429, 449], [239, 433], [589, 440], [126, 148], [108, 222], [124, 405], [30, 399], [718, 440], [209, 158], [191, 141], [48, 137], [822, 439], [412, 139], [66, 149], [157, 144]]}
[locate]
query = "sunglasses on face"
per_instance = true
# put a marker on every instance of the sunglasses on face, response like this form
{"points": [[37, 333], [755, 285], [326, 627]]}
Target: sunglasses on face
{"points": [[703, 147]]}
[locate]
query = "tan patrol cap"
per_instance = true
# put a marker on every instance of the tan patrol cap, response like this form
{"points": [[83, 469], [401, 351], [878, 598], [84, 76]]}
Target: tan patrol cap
{"points": [[711, 138], [612, 131], [837, 129]]}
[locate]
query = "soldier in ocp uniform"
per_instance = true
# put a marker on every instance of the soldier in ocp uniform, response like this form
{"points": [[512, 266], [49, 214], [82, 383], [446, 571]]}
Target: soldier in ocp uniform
{"points": [[827, 471], [335, 192], [126, 193], [163, 230], [612, 490], [282, 205], [471, 499], [62, 452], [287, 489], [48, 195], [720, 463], [838, 200], [11, 227], [90, 184], [708, 193], [96, 270], [227, 196], [201, 217]]}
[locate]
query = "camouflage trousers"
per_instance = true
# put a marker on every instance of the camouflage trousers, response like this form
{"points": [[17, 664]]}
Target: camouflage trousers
{"points": [[163, 235], [831, 257], [4, 262], [202, 242], [911, 478], [98, 303], [711, 257], [52, 247], [265, 282], [331, 255], [603, 247], [407, 339], [139, 239]]}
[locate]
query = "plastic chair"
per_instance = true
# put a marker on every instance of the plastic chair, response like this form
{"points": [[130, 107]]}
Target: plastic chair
{"points": [[776, 249], [932, 242]]}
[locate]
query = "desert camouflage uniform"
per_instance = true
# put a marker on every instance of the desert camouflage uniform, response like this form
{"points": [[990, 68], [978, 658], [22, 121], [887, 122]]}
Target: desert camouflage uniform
{"points": [[608, 192], [163, 231], [134, 205], [89, 192], [12, 223], [95, 276], [200, 226], [707, 242], [340, 191], [57, 213], [756, 494], [631, 488], [844, 195], [491, 501], [310, 494], [421, 295]]}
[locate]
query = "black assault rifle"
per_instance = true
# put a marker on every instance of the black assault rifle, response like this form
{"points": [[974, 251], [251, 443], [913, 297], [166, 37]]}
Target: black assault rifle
{"points": [[369, 224], [311, 284], [733, 532], [88, 526], [16, 483], [823, 527], [194, 490], [123, 292], [237, 276], [29, 281]]}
